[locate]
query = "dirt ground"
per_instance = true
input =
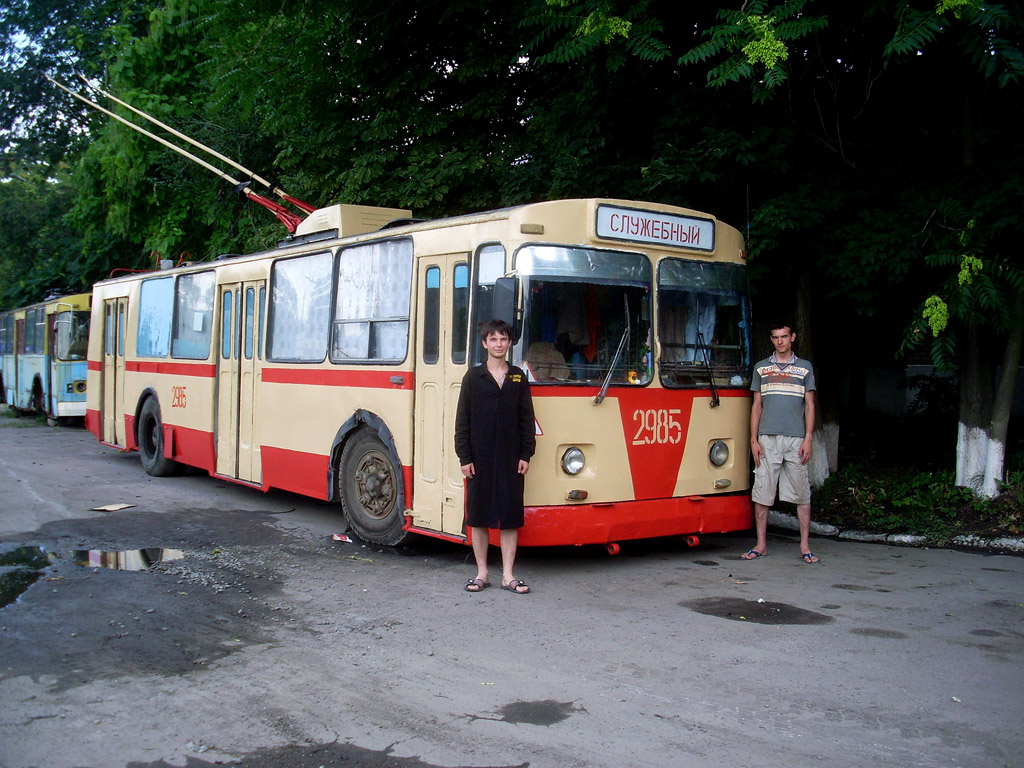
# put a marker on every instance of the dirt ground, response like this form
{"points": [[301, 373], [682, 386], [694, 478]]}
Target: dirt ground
{"points": [[266, 644]]}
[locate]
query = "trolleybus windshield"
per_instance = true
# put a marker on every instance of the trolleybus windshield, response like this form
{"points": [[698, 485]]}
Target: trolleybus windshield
{"points": [[72, 335], [579, 305], [703, 324]]}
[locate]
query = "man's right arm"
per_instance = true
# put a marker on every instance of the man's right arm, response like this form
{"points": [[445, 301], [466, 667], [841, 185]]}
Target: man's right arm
{"points": [[755, 422]]}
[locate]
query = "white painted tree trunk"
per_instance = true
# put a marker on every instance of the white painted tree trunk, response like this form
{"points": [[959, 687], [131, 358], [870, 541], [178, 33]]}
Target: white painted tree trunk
{"points": [[979, 461]]}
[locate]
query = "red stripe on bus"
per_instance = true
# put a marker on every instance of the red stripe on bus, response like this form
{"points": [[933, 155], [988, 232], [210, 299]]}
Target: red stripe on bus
{"points": [[628, 520], [95, 365], [190, 446], [295, 471], [335, 378], [92, 423], [202, 370]]}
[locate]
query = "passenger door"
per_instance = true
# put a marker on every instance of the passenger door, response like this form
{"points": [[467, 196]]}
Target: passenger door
{"points": [[442, 315], [240, 354], [115, 315]]}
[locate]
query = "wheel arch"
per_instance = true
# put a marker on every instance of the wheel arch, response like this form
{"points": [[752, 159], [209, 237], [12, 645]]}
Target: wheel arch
{"points": [[359, 419]]}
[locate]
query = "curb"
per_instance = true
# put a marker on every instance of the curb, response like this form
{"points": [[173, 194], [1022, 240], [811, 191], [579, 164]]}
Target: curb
{"points": [[1003, 544]]}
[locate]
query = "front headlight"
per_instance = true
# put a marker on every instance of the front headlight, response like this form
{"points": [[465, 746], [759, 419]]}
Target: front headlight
{"points": [[573, 461], [719, 453]]}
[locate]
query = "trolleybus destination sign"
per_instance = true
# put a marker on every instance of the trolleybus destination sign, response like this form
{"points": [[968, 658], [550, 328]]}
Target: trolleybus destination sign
{"points": [[632, 225]]}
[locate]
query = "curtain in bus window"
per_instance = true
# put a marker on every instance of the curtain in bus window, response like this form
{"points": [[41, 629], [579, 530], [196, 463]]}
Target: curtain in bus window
{"points": [[193, 316], [156, 308], [371, 320], [300, 294]]}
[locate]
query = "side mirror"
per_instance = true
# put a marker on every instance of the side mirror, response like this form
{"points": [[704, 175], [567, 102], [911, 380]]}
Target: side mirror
{"points": [[505, 304]]}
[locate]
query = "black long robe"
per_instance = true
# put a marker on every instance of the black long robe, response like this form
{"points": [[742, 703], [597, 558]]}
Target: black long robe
{"points": [[494, 429]]}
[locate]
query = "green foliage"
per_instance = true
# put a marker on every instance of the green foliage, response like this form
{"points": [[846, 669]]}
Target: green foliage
{"points": [[570, 30], [936, 314], [989, 35], [758, 35], [904, 500]]}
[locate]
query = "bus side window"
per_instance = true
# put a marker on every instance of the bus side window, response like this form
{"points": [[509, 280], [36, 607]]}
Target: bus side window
{"points": [[432, 315], [225, 326], [460, 311], [490, 265], [120, 329], [250, 310], [156, 309], [193, 316], [108, 336], [371, 315], [262, 314], [300, 308]]}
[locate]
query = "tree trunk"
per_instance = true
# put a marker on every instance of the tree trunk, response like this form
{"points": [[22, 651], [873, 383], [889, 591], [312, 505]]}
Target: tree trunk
{"points": [[996, 453], [825, 446], [985, 410]]}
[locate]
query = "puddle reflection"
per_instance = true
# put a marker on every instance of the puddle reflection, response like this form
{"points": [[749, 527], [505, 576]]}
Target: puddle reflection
{"points": [[126, 560]]}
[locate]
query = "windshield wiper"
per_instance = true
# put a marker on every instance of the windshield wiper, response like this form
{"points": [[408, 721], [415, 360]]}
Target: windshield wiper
{"points": [[715, 400], [615, 358]]}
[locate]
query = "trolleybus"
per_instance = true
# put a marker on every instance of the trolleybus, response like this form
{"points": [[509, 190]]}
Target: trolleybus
{"points": [[331, 365], [43, 351]]}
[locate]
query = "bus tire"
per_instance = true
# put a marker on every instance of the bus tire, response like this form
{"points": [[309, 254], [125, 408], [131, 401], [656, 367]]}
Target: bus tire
{"points": [[151, 442], [369, 490]]}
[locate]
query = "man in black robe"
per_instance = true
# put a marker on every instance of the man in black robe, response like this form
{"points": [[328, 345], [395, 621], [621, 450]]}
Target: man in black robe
{"points": [[494, 440]]}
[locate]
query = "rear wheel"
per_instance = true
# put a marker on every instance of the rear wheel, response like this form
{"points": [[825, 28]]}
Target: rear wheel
{"points": [[369, 490], [151, 442]]}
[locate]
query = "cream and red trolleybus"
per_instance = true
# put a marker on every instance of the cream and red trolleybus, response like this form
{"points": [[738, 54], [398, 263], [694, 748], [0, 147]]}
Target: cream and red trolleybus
{"points": [[330, 366]]}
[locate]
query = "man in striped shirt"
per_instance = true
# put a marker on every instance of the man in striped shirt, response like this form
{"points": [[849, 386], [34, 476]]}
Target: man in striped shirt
{"points": [[781, 425]]}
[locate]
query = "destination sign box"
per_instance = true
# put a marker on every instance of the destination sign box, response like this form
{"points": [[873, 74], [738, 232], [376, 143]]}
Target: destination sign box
{"points": [[637, 226]]}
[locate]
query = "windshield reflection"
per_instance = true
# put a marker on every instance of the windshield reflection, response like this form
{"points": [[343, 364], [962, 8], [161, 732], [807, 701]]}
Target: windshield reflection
{"points": [[703, 324], [580, 305]]}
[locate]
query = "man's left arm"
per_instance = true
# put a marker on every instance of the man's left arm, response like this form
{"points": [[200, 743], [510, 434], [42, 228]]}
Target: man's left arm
{"points": [[805, 447]]}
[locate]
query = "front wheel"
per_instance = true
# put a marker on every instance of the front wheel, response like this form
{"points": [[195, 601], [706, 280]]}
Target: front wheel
{"points": [[369, 490], [151, 442]]}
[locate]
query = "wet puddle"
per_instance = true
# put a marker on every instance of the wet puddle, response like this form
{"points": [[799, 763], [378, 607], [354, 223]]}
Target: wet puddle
{"points": [[754, 611], [20, 568], [546, 712]]}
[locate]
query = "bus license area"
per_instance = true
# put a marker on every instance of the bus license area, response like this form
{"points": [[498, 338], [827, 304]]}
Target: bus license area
{"points": [[586, 313], [178, 397]]}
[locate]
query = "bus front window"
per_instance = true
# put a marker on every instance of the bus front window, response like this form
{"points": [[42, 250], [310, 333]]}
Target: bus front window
{"points": [[580, 306], [72, 335], [703, 324]]}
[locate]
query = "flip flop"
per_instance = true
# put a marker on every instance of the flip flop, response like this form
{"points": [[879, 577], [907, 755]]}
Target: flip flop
{"points": [[751, 554], [514, 587], [476, 585], [810, 558]]}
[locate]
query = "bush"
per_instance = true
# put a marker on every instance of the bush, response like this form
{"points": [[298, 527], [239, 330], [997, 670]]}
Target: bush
{"points": [[912, 500]]}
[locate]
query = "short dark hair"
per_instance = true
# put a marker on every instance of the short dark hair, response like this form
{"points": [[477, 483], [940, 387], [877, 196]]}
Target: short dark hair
{"points": [[495, 325], [782, 322]]}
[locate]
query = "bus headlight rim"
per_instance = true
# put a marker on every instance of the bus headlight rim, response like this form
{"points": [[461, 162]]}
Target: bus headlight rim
{"points": [[718, 454], [573, 460]]}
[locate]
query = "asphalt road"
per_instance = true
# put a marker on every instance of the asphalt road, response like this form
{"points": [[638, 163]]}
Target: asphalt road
{"points": [[268, 644]]}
